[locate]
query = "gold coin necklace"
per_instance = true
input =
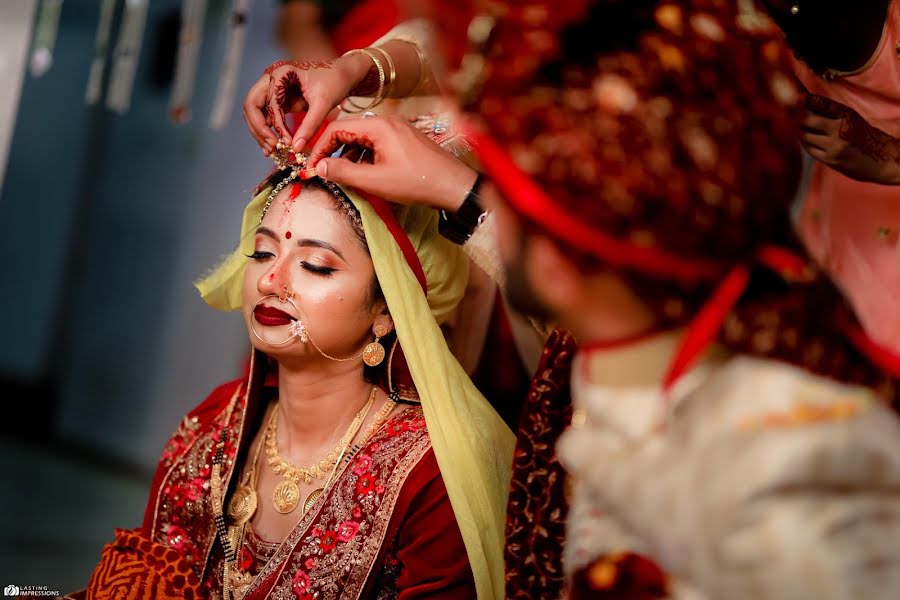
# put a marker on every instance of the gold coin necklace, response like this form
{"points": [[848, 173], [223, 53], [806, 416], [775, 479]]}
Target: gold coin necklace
{"points": [[377, 421], [286, 496]]}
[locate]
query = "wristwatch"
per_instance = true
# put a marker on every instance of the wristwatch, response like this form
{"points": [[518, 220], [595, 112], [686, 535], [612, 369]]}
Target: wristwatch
{"points": [[458, 227]]}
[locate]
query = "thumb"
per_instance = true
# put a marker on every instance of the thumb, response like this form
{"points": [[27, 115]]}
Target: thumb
{"points": [[343, 171]]}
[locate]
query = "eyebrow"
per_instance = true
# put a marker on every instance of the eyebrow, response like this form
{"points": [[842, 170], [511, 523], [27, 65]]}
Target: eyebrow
{"points": [[261, 230], [320, 244]]}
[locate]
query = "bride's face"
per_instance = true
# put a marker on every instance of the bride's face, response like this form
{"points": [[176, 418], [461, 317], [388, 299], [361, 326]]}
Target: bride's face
{"points": [[307, 247]]}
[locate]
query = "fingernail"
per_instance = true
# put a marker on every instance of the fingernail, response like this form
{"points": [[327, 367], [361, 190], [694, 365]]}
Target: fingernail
{"points": [[322, 169], [299, 144], [266, 152]]}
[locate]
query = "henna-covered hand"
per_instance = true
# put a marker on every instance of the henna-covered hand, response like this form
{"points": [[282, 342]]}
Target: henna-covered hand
{"points": [[838, 136], [400, 162], [311, 86]]}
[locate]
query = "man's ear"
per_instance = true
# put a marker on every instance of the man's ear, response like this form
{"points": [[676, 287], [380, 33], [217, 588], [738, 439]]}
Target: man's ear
{"points": [[553, 277]]}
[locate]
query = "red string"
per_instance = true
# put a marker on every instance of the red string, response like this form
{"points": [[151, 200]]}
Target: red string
{"points": [[706, 325]]}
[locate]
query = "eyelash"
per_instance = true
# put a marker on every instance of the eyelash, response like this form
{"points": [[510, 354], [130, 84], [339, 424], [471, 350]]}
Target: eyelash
{"points": [[324, 271]]}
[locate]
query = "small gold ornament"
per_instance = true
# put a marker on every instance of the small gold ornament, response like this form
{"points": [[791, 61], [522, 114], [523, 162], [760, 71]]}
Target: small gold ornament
{"points": [[242, 505], [311, 499], [286, 496], [373, 353]]}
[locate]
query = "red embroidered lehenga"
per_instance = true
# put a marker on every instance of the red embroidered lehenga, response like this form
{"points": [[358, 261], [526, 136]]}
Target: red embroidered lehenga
{"points": [[384, 528]]}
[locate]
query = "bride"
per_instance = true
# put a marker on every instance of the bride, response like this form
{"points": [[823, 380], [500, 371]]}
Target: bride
{"points": [[356, 459]]}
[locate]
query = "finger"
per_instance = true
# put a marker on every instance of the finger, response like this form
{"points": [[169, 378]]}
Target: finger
{"points": [[364, 176], [264, 144], [815, 123], [827, 107], [817, 139], [254, 112], [363, 132], [312, 120], [817, 152], [277, 118]]}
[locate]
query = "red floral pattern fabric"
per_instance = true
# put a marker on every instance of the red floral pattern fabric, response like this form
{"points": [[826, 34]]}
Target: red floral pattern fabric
{"points": [[536, 514]]}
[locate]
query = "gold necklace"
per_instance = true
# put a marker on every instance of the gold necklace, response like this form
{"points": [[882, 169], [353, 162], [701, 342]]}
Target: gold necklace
{"points": [[377, 421], [243, 502], [286, 495]]}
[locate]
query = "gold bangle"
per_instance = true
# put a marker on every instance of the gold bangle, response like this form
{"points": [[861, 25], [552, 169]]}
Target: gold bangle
{"points": [[392, 79], [423, 67], [379, 96]]}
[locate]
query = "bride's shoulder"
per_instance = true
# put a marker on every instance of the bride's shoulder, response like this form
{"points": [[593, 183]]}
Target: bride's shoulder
{"points": [[217, 402], [203, 420]]}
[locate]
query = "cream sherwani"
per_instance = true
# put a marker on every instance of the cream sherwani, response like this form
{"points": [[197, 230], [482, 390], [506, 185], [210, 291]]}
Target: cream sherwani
{"points": [[765, 481]]}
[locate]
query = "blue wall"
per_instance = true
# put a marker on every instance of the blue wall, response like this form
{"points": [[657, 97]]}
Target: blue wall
{"points": [[107, 219]]}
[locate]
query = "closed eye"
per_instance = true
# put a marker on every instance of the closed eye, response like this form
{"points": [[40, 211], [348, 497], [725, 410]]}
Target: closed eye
{"points": [[326, 271], [260, 255]]}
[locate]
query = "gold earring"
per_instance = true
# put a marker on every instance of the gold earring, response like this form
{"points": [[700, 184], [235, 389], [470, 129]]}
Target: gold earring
{"points": [[373, 353]]}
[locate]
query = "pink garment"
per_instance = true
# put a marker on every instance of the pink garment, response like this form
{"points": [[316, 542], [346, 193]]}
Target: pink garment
{"points": [[852, 227]]}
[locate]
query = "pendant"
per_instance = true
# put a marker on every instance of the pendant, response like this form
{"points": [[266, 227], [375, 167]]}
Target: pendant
{"points": [[240, 582], [242, 505], [286, 496], [311, 499]]}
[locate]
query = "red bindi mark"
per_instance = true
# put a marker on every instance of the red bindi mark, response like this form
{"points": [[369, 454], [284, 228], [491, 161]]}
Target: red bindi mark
{"points": [[287, 235]]}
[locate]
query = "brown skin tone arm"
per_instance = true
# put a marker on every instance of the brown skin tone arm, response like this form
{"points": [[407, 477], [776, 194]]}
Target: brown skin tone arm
{"points": [[317, 87]]}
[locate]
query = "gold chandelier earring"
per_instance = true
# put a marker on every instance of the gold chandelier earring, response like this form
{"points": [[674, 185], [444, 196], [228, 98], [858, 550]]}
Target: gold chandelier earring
{"points": [[373, 353]]}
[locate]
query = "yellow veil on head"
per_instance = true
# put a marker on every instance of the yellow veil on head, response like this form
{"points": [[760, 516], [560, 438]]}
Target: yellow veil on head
{"points": [[472, 444]]}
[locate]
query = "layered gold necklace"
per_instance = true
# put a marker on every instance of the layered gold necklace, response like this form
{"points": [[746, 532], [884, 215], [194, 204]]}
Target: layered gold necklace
{"points": [[243, 502], [286, 495]]}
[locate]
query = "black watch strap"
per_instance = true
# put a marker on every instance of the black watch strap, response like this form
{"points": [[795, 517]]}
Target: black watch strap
{"points": [[458, 227]]}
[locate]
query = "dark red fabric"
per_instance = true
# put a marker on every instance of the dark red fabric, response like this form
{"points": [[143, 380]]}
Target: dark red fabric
{"points": [[626, 576], [424, 555], [214, 404], [537, 510]]}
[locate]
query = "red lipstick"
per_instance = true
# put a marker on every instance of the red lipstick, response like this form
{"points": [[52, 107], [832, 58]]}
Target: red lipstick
{"points": [[272, 317]]}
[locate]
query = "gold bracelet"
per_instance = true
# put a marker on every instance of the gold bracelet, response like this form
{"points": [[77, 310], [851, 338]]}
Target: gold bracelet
{"points": [[392, 79], [379, 96], [423, 67]]}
